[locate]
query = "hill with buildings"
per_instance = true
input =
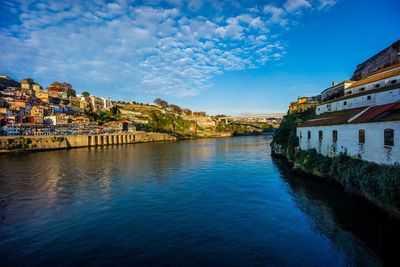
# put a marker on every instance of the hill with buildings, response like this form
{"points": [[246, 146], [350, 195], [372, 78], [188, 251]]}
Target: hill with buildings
{"points": [[26, 108]]}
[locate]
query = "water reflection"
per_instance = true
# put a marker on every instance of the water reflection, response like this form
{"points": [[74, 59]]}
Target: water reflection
{"points": [[366, 234], [196, 202]]}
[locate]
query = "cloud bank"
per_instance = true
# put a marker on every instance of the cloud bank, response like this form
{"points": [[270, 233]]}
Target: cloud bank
{"points": [[158, 47]]}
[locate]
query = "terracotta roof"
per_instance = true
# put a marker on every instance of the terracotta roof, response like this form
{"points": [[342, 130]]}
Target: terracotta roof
{"points": [[374, 78], [332, 118], [373, 112], [384, 69], [366, 114]]}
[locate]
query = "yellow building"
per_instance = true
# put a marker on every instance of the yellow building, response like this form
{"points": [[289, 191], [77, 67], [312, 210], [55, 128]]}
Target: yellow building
{"points": [[302, 104], [42, 96]]}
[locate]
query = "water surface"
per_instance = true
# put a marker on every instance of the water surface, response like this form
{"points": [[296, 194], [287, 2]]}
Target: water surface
{"points": [[211, 202]]}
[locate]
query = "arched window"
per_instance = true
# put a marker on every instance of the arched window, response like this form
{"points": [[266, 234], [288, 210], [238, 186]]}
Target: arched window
{"points": [[320, 136], [361, 136], [389, 137], [334, 136]]}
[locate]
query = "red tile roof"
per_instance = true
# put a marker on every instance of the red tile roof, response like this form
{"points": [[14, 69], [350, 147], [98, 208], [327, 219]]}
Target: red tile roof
{"points": [[366, 114]]}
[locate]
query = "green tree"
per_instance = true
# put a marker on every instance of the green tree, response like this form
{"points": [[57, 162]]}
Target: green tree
{"points": [[85, 94]]}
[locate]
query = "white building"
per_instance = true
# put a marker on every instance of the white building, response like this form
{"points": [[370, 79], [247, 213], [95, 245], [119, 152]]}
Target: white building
{"points": [[364, 123], [378, 89]]}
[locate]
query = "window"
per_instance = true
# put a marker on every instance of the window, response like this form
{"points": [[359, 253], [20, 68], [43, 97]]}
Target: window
{"points": [[301, 136], [362, 89], [344, 103], [309, 135], [393, 81], [377, 85], [369, 97], [361, 136], [349, 92], [334, 136], [320, 136], [389, 137]]}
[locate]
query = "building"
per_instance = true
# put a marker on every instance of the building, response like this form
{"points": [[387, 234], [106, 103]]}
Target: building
{"points": [[43, 96], [6, 82], [30, 85], [60, 119], [302, 104], [381, 87], [107, 103], [335, 91], [96, 103], [388, 57], [364, 123], [371, 133]]}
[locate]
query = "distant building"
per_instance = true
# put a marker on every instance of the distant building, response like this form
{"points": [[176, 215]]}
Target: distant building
{"points": [[335, 91], [302, 104], [43, 96], [107, 103], [96, 103], [30, 85], [6, 82]]}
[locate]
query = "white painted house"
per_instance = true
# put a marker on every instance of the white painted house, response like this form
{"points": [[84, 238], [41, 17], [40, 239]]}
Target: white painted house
{"points": [[364, 123]]}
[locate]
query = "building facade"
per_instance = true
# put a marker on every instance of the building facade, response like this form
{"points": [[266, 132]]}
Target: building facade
{"points": [[364, 122]]}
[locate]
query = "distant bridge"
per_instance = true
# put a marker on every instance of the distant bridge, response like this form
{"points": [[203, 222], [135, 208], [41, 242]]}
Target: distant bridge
{"points": [[230, 119]]}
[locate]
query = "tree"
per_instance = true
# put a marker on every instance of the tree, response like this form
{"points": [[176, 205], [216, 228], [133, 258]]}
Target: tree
{"points": [[161, 103], [175, 108], [187, 111], [85, 94], [200, 113]]}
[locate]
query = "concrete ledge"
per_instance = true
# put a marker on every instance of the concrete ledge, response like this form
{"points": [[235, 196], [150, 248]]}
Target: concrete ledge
{"points": [[39, 143]]}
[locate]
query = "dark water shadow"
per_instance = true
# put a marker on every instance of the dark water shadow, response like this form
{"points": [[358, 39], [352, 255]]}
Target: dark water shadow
{"points": [[345, 219]]}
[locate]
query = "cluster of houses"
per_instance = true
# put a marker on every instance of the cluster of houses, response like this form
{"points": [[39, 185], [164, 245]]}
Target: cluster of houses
{"points": [[27, 109], [360, 116]]}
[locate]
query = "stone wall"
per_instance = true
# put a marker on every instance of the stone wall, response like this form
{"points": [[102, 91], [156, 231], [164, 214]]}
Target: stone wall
{"points": [[34, 143], [386, 57]]}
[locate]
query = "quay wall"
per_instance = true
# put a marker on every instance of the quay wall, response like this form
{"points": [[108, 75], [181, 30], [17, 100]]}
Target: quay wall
{"points": [[37, 143]]}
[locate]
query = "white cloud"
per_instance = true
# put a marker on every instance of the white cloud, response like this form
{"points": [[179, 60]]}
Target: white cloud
{"points": [[122, 47], [278, 15], [326, 3], [296, 5]]}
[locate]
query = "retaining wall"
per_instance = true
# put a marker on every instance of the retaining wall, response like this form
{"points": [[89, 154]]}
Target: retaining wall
{"points": [[31, 143]]}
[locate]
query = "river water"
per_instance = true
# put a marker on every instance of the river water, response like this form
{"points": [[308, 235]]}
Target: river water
{"points": [[209, 202]]}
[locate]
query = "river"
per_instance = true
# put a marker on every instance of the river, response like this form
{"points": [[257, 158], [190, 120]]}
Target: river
{"points": [[207, 202]]}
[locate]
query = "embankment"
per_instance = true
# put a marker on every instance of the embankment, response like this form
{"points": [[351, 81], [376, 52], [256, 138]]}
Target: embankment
{"points": [[38, 143]]}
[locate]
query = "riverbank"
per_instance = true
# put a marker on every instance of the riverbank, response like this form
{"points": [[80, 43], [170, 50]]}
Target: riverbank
{"points": [[42, 143], [10, 144], [379, 184]]}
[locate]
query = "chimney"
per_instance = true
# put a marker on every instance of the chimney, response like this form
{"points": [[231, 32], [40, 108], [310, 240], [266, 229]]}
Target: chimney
{"points": [[334, 83]]}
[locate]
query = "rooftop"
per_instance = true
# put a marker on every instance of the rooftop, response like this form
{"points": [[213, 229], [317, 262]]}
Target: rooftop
{"points": [[377, 76], [386, 112]]}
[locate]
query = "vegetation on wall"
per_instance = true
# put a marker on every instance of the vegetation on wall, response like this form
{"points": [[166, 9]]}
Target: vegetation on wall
{"points": [[379, 183], [285, 136], [168, 123]]}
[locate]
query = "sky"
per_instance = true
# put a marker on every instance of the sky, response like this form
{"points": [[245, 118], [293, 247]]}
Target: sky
{"points": [[222, 57]]}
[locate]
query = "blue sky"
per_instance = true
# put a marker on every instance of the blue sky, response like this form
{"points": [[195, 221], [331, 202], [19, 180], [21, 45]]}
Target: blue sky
{"points": [[227, 57]]}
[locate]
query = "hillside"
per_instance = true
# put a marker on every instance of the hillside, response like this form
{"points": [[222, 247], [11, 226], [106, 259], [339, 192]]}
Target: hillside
{"points": [[182, 122]]}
